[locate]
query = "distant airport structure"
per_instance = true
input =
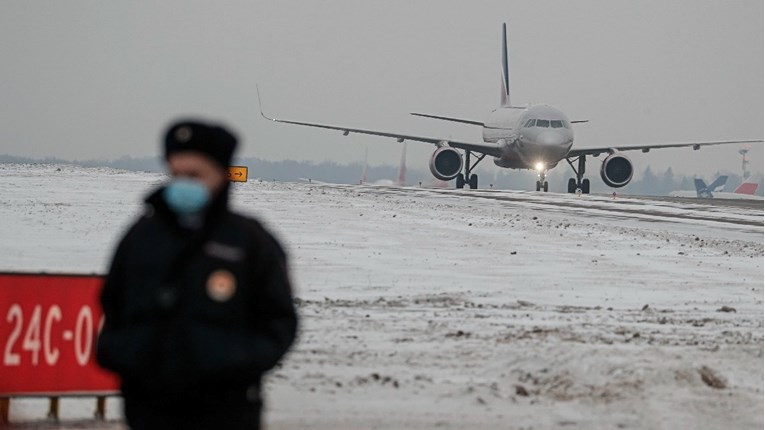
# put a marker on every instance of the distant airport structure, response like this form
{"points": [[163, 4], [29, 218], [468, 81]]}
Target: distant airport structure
{"points": [[745, 173], [534, 137]]}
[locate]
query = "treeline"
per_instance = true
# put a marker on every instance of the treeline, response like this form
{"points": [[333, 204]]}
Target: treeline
{"points": [[137, 164], [646, 182]]}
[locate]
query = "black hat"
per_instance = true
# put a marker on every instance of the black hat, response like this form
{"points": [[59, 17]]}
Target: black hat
{"points": [[209, 139]]}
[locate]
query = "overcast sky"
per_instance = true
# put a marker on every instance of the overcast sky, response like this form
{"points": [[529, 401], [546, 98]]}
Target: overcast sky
{"points": [[94, 79]]}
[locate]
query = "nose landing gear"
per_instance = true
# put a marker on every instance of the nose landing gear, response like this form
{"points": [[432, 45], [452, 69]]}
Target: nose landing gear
{"points": [[542, 184]]}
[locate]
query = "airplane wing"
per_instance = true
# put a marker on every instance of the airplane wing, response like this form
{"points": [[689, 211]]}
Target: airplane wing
{"points": [[575, 152], [448, 118], [483, 148]]}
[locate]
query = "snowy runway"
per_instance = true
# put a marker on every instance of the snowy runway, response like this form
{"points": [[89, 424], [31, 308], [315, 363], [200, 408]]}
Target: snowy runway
{"points": [[455, 309]]}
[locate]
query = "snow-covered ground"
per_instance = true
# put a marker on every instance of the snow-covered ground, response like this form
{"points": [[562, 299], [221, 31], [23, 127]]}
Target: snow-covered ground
{"points": [[458, 309]]}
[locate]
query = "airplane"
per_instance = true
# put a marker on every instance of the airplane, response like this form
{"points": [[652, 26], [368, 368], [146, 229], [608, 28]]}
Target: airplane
{"points": [[399, 182], [366, 167], [745, 191], [703, 191], [534, 137]]}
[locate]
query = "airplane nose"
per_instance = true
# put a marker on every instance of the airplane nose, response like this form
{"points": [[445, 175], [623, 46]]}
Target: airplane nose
{"points": [[551, 138]]}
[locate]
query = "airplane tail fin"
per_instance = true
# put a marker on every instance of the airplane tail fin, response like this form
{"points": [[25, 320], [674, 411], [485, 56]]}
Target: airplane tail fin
{"points": [[402, 167], [705, 191], [701, 187], [366, 167], [747, 188], [505, 95], [718, 183]]}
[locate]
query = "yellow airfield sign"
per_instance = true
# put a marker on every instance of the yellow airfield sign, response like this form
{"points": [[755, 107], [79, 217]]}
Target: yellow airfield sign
{"points": [[237, 173]]}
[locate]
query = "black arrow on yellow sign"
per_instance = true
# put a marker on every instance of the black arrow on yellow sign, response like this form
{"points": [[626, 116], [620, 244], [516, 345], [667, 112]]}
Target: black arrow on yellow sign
{"points": [[237, 173]]}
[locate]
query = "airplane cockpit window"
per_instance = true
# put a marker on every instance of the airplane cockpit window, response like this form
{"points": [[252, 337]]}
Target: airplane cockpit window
{"points": [[543, 123], [529, 123], [565, 123], [556, 123]]}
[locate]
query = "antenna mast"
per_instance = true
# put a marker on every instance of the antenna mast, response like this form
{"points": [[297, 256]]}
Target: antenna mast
{"points": [[745, 162]]}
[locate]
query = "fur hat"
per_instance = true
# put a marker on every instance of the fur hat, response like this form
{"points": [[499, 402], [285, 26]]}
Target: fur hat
{"points": [[212, 140]]}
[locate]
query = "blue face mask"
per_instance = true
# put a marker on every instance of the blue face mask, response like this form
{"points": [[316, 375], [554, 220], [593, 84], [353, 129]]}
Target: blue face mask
{"points": [[186, 196]]}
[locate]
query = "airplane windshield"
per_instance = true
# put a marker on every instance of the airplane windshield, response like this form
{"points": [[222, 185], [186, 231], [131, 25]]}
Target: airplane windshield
{"points": [[556, 124], [529, 123], [543, 123]]}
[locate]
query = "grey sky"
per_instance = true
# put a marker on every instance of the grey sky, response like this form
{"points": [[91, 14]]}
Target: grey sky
{"points": [[93, 79]]}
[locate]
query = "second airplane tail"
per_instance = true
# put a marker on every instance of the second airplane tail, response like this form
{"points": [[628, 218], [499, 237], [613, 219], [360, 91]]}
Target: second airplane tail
{"points": [[748, 188], [505, 95], [705, 191], [402, 168]]}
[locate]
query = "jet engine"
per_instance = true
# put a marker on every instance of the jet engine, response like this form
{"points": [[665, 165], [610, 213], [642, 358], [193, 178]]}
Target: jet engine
{"points": [[616, 170], [446, 163]]}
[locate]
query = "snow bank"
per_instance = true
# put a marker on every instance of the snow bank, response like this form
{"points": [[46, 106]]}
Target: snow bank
{"points": [[454, 309]]}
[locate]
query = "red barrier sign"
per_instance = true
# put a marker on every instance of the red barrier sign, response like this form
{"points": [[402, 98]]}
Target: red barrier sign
{"points": [[48, 330]]}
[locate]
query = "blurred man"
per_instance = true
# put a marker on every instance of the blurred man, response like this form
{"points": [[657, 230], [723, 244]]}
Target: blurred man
{"points": [[197, 301]]}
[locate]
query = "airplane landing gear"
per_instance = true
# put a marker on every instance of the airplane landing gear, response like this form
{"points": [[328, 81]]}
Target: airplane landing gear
{"points": [[578, 183], [472, 178], [542, 183], [584, 186]]}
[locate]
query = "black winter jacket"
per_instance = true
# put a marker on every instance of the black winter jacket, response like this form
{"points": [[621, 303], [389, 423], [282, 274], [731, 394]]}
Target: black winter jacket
{"points": [[187, 309]]}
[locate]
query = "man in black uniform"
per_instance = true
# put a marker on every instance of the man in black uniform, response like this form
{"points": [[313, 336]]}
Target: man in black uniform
{"points": [[197, 302]]}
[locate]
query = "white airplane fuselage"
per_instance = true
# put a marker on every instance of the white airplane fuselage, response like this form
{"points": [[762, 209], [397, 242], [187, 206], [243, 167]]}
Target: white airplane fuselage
{"points": [[536, 137]]}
